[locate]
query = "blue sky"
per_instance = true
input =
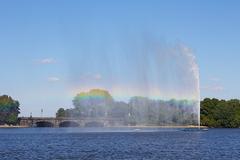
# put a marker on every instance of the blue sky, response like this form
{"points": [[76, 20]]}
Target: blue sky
{"points": [[42, 44]]}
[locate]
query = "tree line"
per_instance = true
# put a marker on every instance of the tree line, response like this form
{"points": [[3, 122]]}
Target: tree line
{"points": [[220, 113], [138, 110], [214, 112]]}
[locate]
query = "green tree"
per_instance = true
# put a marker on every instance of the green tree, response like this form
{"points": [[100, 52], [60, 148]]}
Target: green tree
{"points": [[61, 113], [9, 110], [96, 102]]}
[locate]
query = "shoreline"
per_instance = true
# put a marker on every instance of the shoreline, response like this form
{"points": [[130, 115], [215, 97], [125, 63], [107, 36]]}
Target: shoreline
{"points": [[168, 126], [7, 126], [134, 127]]}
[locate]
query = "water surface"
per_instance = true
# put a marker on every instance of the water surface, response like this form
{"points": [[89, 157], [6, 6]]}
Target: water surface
{"points": [[118, 143]]}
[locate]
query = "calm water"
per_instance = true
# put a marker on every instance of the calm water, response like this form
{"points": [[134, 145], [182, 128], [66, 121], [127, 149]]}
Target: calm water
{"points": [[152, 144]]}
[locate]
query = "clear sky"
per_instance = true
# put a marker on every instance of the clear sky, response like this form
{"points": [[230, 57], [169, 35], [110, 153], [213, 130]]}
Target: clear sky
{"points": [[42, 43]]}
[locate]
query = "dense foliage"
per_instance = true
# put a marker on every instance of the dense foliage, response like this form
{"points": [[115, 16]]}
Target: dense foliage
{"points": [[141, 110], [220, 113], [9, 110], [99, 103]]}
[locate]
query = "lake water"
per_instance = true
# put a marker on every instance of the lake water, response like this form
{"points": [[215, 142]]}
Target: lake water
{"points": [[117, 144]]}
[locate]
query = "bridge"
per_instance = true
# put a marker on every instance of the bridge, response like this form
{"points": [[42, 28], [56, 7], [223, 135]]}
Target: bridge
{"points": [[70, 122]]}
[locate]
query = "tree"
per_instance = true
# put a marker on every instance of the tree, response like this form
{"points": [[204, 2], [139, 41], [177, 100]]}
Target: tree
{"points": [[94, 103], [9, 110], [61, 113], [220, 113]]}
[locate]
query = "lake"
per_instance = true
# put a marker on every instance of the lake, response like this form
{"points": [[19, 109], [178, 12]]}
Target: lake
{"points": [[118, 144]]}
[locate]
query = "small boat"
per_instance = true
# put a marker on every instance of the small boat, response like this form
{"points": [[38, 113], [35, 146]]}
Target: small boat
{"points": [[205, 129]]}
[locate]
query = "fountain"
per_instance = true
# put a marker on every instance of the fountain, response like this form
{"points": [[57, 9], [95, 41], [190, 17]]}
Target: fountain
{"points": [[149, 83]]}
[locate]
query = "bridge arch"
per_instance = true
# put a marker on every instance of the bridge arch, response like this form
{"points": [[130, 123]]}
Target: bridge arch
{"points": [[44, 124], [69, 124]]}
